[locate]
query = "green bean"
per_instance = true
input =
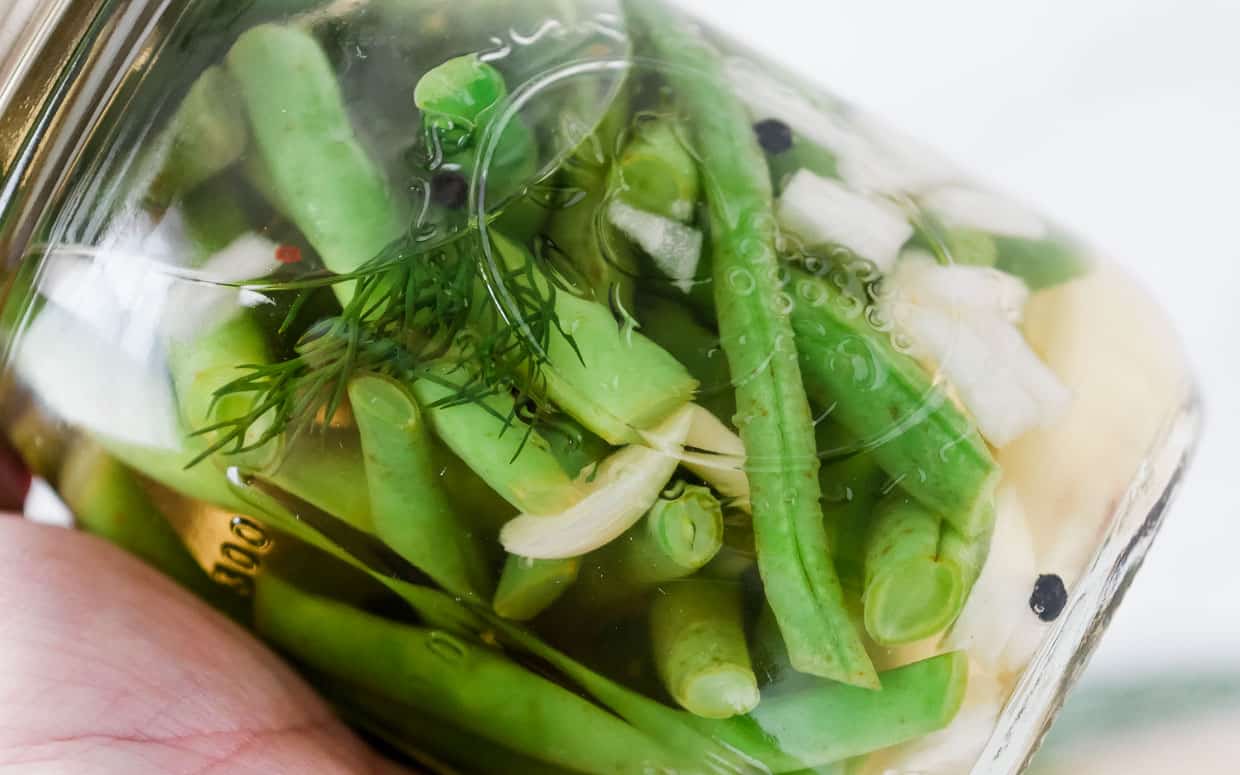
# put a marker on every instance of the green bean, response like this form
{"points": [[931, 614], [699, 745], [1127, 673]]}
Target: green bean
{"points": [[409, 510], [968, 553], [459, 94], [206, 363], [930, 448], [469, 686], [108, 501], [167, 466], [458, 100], [773, 414], [424, 738], [473, 499], [802, 154], [851, 482], [971, 247], [770, 657], [699, 647], [776, 675], [911, 593], [572, 445], [296, 521], [832, 722], [1041, 263], [322, 177], [919, 571], [206, 135], [215, 214], [656, 173], [326, 472], [600, 265], [677, 537], [508, 455], [672, 326], [954, 244], [613, 380], [527, 586], [826, 722], [324, 467]]}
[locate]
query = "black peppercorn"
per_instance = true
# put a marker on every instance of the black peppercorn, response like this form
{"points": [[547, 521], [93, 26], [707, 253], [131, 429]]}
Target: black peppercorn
{"points": [[774, 136], [1049, 597], [450, 189]]}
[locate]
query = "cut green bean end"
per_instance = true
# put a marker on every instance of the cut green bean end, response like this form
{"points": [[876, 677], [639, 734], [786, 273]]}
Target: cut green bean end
{"points": [[912, 601]]}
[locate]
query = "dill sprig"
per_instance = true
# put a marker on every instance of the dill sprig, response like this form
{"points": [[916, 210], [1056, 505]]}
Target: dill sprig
{"points": [[411, 306]]}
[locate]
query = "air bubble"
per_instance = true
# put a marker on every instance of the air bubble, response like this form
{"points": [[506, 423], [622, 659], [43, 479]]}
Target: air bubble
{"points": [[741, 281], [784, 303]]}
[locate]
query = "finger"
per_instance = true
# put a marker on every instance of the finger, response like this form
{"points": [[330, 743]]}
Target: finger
{"points": [[108, 667]]}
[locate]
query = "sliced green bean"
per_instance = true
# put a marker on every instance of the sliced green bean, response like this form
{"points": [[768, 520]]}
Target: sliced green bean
{"points": [[508, 455], [919, 571], [613, 380], [207, 134], [409, 511], [676, 538], [773, 414], [321, 176], [926, 445], [910, 592], [527, 587], [208, 362], [167, 466], [699, 646], [436, 608]]}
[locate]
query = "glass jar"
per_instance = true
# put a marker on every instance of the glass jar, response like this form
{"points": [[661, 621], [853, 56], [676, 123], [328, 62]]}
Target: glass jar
{"points": [[564, 387]]}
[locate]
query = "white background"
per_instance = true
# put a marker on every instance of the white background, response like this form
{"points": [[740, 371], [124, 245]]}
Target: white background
{"points": [[1121, 118]]}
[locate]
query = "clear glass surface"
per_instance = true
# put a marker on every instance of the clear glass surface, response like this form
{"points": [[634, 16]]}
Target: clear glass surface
{"points": [[213, 244]]}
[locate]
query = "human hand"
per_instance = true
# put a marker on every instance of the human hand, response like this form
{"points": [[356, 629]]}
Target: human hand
{"points": [[107, 666]]}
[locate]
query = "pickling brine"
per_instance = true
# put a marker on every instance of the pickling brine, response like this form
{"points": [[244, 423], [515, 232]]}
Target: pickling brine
{"points": [[565, 388]]}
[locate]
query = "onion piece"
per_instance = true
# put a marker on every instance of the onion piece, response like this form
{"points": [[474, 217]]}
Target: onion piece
{"points": [[920, 279], [717, 455], [87, 378], [987, 211], [675, 247], [820, 210], [995, 372], [617, 494]]}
